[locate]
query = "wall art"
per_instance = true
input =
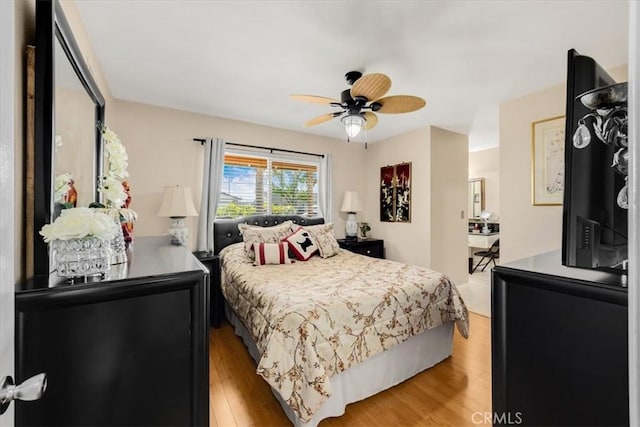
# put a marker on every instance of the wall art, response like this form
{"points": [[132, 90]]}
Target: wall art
{"points": [[395, 193], [548, 161]]}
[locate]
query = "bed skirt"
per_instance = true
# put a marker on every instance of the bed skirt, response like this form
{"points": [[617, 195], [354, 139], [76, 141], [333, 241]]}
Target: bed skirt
{"points": [[374, 375]]}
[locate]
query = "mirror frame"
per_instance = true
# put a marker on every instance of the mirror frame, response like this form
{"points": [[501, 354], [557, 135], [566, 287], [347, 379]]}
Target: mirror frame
{"points": [[52, 25], [481, 181]]}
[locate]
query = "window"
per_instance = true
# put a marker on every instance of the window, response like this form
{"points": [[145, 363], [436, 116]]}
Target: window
{"points": [[255, 184]]}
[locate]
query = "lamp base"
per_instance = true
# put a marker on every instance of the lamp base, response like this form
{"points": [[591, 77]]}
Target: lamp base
{"points": [[351, 226], [178, 231]]}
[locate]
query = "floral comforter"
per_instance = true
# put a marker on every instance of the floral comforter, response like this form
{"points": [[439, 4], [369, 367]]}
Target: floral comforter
{"points": [[313, 319]]}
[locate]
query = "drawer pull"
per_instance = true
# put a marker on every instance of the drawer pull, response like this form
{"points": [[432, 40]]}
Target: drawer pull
{"points": [[368, 251]]}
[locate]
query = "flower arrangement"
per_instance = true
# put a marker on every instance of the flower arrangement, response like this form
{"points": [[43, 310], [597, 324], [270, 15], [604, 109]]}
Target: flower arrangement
{"points": [[111, 186], [485, 216], [118, 160], [62, 185], [116, 154], [364, 229], [78, 223]]}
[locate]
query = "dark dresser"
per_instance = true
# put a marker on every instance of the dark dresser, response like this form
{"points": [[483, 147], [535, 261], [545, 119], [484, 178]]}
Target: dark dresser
{"points": [[559, 345], [370, 247], [212, 262], [131, 349]]}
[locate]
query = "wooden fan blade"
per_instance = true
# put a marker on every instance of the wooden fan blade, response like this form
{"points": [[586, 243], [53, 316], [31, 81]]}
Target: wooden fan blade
{"points": [[320, 119], [400, 104], [315, 99], [371, 86], [372, 120]]}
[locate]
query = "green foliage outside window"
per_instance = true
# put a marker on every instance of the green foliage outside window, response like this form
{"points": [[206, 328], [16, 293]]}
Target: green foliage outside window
{"points": [[234, 210]]}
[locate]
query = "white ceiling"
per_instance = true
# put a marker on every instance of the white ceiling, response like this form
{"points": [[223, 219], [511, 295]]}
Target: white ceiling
{"points": [[241, 59]]}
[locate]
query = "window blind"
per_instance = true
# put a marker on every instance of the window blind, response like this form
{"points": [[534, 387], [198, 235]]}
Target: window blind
{"points": [[267, 185]]}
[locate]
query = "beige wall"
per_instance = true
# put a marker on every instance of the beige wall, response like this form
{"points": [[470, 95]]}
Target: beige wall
{"points": [[486, 164], [162, 152], [84, 43], [525, 229], [406, 242], [436, 236], [449, 192]]}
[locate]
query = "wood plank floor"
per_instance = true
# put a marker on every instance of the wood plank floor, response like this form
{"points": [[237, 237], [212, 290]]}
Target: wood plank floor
{"points": [[447, 394]]}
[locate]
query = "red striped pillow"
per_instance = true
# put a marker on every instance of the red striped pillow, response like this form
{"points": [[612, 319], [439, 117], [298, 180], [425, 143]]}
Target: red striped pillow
{"points": [[271, 253]]}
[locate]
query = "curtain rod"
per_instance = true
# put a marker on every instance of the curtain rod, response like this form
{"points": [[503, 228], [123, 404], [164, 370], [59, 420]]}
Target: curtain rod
{"points": [[271, 149]]}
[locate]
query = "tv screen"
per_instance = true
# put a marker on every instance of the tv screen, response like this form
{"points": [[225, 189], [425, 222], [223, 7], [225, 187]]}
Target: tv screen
{"points": [[595, 191]]}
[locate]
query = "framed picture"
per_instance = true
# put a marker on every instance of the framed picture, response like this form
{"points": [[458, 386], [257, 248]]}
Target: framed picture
{"points": [[403, 192], [547, 169], [386, 194], [395, 193]]}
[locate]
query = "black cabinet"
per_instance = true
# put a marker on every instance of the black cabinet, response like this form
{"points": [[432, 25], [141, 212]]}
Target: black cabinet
{"points": [[370, 247], [559, 345], [212, 262], [131, 349]]}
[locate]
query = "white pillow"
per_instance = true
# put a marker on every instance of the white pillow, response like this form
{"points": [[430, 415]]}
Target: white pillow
{"points": [[272, 253], [323, 235], [253, 234], [302, 244]]}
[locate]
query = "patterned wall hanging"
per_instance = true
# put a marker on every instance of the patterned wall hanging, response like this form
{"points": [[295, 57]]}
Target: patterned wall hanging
{"points": [[395, 193]]}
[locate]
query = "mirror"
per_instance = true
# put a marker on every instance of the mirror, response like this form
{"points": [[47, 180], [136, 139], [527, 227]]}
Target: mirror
{"points": [[74, 125], [67, 104], [476, 197]]}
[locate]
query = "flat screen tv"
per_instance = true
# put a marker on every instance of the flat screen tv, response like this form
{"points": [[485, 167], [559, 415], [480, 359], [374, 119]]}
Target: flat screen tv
{"points": [[595, 188]]}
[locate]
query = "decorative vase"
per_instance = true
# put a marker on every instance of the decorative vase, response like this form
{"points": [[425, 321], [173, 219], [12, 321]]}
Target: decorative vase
{"points": [[118, 247], [82, 257]]}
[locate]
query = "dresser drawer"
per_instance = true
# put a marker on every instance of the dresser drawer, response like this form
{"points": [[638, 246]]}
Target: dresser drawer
{"points": [[373, 248]]}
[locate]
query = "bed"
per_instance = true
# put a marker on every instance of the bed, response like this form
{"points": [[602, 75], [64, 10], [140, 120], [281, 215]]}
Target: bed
{"points": [[330, 331]]}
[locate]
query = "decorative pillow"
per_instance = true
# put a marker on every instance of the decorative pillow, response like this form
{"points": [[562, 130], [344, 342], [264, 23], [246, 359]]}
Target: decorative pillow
{"points": [[323, 235], [271, 253], [302, 244], [253, 234]]}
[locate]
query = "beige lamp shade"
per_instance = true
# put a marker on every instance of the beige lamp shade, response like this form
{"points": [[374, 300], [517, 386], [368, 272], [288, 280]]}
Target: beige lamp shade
{"points": [[351, 202], [177, 202]]}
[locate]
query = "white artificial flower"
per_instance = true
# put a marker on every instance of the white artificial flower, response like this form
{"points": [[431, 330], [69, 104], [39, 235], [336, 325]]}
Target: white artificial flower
{"points": [[113, 192], [111, 184], [61, 186], [103, 225], [77, 223], [118, 159], [127, 215], [109, 135]]}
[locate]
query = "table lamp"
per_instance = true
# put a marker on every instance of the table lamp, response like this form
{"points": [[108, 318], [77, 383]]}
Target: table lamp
{"points": [[177, 204], [351, 205]]}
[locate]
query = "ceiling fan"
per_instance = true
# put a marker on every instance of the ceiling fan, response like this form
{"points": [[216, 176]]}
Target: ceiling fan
{"points": [[358, 105]]}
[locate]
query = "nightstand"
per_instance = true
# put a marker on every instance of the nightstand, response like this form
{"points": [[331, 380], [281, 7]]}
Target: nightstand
{"points": [[369, 247], [212, 262]]}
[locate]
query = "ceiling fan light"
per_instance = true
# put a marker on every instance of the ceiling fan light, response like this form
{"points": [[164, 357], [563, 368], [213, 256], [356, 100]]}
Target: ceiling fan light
{"points": [[353, 124]]}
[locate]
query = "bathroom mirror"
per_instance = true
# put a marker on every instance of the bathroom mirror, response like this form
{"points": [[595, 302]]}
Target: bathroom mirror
{"points": [[68, 105], [476, 197]]}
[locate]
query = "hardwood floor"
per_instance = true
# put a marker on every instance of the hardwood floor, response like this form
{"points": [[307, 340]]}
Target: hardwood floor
{"points": [[447, 394]]}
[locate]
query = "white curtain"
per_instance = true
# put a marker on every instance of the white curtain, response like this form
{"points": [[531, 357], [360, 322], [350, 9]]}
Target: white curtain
{"points": [[325, 190], [211, 182]]}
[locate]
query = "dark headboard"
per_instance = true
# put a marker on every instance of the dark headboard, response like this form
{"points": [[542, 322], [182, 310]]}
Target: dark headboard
{"points": [[225, 231]]}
